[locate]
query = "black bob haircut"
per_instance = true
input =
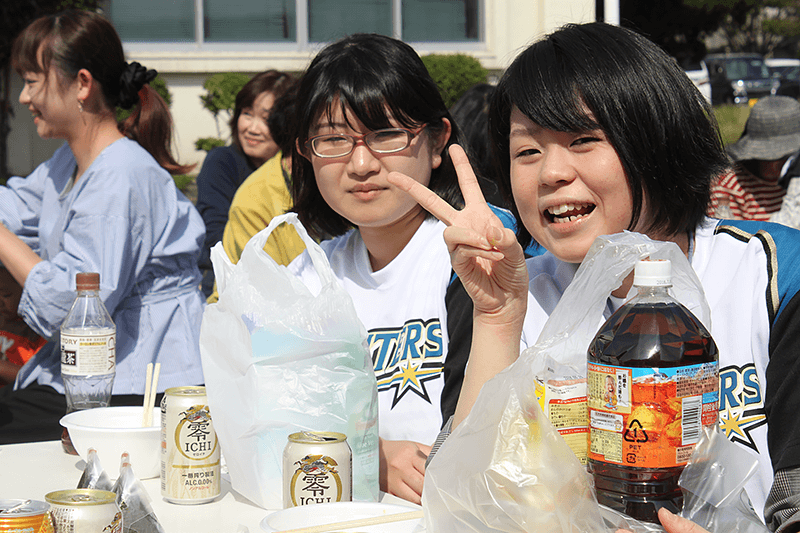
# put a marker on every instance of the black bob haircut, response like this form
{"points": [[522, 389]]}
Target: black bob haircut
{"points": [[376, 78], [598, 76]]}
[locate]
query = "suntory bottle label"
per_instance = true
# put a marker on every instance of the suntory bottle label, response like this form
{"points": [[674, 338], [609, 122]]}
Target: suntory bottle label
{"points": [[93, 354]]}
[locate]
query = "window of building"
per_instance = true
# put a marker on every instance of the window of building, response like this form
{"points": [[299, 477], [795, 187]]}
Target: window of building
{"points": [[299, 22]]}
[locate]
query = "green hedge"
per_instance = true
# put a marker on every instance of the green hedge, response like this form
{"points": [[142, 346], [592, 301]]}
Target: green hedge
{"points": [[454, 74], [220, 96]]}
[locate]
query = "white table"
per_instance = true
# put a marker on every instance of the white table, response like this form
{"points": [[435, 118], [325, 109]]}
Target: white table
{"points": [[32, 470]]}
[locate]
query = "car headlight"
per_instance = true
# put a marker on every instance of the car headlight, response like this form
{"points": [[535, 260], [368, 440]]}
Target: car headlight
{"points": [[738, 88]]}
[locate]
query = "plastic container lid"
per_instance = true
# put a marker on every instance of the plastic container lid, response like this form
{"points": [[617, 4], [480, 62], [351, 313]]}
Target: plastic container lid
{"points": [[653, 273], [87, 281]]}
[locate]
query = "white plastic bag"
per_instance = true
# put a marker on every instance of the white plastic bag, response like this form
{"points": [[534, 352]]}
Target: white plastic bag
{"points": [[278, 359], [505, 468]]}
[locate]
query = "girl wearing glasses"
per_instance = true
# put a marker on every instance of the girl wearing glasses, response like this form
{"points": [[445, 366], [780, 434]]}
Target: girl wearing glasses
{"points": [[367, 106]]}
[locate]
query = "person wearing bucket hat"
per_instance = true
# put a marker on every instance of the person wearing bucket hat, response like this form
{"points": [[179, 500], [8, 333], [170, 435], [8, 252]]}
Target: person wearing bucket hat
{"points": [[755, 189]]}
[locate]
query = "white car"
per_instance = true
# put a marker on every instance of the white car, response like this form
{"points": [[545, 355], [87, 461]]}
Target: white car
{"points": [[788, 71], [698, 73]]}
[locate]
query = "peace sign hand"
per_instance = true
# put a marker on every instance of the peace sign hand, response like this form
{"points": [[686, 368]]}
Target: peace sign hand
{"points": [[484, 254]]}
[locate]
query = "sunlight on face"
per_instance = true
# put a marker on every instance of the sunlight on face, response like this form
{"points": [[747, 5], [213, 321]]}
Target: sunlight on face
{"points": [[569, 187]]}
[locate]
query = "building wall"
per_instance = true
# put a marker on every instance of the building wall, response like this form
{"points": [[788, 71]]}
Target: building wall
{"points": [[510, 25]]}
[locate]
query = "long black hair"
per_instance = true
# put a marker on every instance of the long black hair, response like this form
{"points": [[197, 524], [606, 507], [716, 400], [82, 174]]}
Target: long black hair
{"points": [[376, 78], [595, 75]]}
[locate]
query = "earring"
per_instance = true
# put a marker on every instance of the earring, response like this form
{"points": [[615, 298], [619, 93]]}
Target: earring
{"points": [[80, 105]]}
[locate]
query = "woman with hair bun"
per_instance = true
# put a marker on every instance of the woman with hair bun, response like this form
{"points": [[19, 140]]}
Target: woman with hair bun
{"points": [[105, 202]]}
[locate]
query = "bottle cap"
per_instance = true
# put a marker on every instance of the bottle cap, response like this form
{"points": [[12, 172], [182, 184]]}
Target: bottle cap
{"points": [[87, 281], [653, 273]]}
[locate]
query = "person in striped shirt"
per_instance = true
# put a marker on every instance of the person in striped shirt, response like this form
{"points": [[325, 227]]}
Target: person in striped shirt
{"points": [[756, 187]]}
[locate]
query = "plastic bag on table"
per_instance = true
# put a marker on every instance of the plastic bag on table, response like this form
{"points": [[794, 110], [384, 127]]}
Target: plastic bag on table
{"points": [[137, 513], [505, 467], [278, 359]]}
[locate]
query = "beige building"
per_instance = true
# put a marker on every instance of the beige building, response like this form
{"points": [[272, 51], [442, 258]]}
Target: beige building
{"points": [[187, 40]]}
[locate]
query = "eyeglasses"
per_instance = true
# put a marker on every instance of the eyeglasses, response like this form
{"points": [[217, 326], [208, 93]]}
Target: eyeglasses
{"points": [[385, 141]]}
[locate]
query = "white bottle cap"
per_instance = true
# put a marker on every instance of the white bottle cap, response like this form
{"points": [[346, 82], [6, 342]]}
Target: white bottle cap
{"points": [[653, 273]]}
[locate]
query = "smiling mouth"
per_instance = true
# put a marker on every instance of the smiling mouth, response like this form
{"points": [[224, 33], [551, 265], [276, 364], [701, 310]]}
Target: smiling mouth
{"points": [[568, 212]]}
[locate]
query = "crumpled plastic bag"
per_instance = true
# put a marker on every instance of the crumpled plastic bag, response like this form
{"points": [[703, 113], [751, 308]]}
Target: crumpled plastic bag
{"points": [[278, 359], [137, 512], [713, 486], [505, 467]]}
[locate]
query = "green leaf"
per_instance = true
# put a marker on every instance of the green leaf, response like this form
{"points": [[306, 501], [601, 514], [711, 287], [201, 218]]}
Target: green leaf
{"points": [[208, 143]]}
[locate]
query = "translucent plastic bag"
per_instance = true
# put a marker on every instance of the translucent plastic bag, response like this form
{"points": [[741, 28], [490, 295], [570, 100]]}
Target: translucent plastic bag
{"points": [[505, 467], [713, 486], [278, 359]]}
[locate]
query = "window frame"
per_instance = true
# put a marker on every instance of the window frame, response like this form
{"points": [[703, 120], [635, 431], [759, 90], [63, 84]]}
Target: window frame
{"points": [[302, 42]]}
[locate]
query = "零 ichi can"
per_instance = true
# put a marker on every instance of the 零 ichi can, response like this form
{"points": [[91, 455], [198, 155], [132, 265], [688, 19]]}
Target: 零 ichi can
{"points": [[85, 511], [190, 467], [28, 516], [317, 468]]}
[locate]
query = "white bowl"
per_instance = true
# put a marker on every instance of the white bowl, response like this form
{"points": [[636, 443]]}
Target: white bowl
{"points": [[114, 430], [330, 513]]}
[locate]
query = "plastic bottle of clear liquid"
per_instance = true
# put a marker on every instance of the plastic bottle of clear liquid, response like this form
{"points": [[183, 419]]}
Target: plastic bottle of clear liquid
{"points": [[653, 383], [88, 355]]}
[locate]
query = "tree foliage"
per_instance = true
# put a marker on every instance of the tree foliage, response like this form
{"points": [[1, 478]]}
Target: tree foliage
{"points": [[681, 26], [771, 27], [221, 90], [220, 96]]}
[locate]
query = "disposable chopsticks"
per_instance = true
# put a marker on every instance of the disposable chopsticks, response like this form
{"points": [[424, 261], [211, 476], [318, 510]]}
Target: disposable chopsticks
{"points": [[361, 522], [150, 390]]}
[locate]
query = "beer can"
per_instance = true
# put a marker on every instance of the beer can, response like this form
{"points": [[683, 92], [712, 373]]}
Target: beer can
{"points": [[190, 466], [25, 516], [84, 511], [317, 468]]}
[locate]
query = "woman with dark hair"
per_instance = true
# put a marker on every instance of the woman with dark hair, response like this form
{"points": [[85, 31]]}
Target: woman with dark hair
{"points": [[265, 194], [367, 106], [225, 168], [599, 131], [105, 202]]}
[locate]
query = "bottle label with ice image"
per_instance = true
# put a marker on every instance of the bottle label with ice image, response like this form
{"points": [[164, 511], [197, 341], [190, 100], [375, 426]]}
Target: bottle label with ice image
{"points": [[650, 417]]}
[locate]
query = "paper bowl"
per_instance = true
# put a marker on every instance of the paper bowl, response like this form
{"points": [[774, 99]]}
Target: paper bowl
{"points": [[329, 513], [115, 430]]}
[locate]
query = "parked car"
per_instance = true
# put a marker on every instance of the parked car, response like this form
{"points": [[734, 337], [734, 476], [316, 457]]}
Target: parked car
{"points": [[739, 78], [788, 71], [698, 73]]}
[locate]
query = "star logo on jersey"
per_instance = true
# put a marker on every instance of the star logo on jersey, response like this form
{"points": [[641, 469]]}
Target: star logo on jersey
{"points": [[406, 358], [741, 405]]}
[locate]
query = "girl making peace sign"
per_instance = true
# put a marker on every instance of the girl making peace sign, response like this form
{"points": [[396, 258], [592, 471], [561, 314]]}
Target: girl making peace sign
{"points": [[367, 107], [599, 131]]}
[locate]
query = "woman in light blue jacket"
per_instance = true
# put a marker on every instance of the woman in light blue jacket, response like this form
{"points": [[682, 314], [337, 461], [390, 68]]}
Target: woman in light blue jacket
{"points": [[105, 202]]}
